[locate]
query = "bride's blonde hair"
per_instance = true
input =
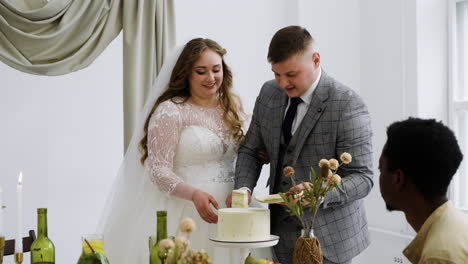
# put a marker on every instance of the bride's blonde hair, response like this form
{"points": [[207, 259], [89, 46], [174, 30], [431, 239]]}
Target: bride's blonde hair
{"points": [[179, 86]]}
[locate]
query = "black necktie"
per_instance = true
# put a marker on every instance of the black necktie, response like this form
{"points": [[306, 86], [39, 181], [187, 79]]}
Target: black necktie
{"points": [[289, 118]]}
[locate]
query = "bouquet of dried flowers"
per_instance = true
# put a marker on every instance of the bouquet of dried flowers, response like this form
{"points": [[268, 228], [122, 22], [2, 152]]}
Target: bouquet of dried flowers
{"points": [[178, 249], [312, 195]]}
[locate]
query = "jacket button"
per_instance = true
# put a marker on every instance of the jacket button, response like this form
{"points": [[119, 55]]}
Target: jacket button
{"points": [[319, 110]]}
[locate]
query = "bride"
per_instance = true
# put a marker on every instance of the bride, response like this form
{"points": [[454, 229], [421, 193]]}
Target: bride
{"points": [[181, 157]]}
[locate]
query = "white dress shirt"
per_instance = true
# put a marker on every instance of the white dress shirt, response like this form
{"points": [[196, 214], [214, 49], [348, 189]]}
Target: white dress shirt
{"points": [[302, 107]]}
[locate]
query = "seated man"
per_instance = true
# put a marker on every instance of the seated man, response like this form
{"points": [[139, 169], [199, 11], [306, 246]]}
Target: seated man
{"points": [[416, 166]]}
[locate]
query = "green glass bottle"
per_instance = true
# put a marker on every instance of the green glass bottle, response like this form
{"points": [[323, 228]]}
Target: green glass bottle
{"points": [[42, 249], [157, 257]]}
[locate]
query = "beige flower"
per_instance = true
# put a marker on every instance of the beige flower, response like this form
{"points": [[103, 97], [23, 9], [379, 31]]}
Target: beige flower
{"points": [[333, 164], [166, 244], [288, 171], [182, 242], [330, 173], [324, 162], [187, 225], [346, 158], [335, 179]]}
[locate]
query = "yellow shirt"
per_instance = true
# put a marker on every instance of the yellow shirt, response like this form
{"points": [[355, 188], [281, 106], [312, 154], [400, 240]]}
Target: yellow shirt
{"points": [[442, 239]]}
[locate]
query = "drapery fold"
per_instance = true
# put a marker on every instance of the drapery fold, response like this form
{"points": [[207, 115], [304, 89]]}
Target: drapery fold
{"points": [[63, 36]]}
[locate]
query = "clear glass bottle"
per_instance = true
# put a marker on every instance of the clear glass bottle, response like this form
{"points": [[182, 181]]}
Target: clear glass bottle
{"points": [[93, 250], [42, 249], [157, 257]]}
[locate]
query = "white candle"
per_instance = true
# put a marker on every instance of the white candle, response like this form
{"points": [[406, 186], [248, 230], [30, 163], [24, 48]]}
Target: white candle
{"points": [[19, 233]]}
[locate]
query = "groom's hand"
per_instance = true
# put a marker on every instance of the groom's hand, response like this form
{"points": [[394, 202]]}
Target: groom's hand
{"points": [[263, 157], [300, 187], [296, 190], [202, 201], [229, 199]]}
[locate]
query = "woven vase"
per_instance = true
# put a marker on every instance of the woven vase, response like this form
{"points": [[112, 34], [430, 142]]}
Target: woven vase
{"points": [[307, 251]]}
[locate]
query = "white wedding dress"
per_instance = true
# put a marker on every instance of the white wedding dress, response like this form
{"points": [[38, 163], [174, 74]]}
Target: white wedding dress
{"points": [[189, 144]]}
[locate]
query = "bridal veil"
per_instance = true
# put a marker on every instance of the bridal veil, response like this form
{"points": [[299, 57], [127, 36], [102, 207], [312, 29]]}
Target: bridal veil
{"points": [[129, 214]]}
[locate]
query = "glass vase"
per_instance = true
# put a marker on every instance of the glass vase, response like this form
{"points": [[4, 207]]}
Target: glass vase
{"points": [[311, 234], [307, 249], [93, 250]]}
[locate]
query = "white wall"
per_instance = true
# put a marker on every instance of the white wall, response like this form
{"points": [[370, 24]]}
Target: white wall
{"points": [[403, 73], [383, 85], [432, 59], [65, 134], [335, 25]]}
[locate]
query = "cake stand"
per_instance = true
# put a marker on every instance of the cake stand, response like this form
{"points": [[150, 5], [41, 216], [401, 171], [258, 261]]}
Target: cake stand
{"points": [[245, 246]]}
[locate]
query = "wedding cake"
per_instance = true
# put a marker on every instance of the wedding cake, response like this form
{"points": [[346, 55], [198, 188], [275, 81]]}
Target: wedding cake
{"points": [[244, 224]]}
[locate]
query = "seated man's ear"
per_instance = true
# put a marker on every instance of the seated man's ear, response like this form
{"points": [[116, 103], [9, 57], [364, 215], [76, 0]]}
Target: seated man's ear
{"points": [[399, 179]]}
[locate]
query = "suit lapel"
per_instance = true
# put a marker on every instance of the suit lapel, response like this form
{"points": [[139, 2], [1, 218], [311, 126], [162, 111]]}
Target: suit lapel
{"points": [[279, 106], [316, 109]]}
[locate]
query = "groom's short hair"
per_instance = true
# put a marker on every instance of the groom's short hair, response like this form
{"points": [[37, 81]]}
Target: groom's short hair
{"points": [[287, 42]]}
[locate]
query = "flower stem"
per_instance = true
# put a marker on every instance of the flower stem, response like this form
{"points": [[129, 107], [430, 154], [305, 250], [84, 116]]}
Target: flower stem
{"points": [[312, 219], [293, 181]]}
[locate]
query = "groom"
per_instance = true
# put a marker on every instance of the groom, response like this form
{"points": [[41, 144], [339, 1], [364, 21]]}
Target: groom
{"points": [[302, 116]]}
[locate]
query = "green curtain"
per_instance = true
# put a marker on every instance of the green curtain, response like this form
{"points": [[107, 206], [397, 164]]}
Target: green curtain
{"points": [[62, 36], [152, 35]]}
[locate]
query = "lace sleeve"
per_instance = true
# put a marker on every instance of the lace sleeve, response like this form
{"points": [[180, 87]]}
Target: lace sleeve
{"points": [[163, 136]]}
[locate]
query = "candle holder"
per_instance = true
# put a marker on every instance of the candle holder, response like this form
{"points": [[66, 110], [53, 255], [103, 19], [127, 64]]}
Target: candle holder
{"points": [[18, 258]]}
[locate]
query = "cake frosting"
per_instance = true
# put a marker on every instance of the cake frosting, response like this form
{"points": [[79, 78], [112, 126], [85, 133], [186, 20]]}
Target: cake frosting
{"points": [[244, 224]]}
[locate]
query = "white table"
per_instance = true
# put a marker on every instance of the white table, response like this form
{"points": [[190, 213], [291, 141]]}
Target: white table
{"points": [[245, 246]]}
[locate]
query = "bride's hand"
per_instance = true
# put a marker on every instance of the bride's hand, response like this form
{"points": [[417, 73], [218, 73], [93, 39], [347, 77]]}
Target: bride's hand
{"points": [[202, 201]]}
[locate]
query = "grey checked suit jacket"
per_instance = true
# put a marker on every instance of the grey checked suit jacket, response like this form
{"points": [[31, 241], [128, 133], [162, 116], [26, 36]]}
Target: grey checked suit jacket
{"points": [[337, 121]]}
